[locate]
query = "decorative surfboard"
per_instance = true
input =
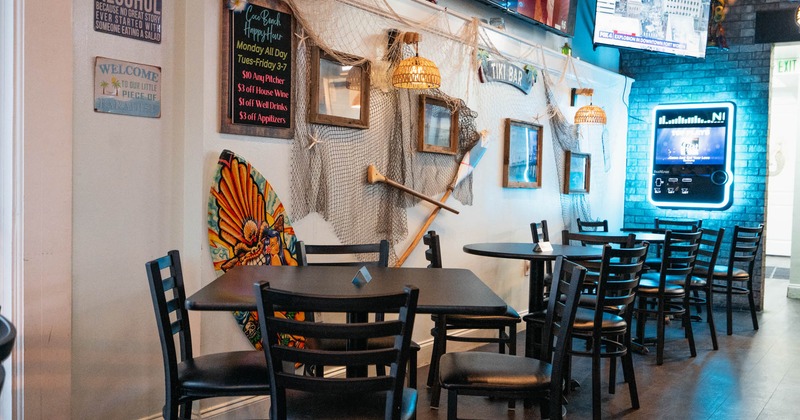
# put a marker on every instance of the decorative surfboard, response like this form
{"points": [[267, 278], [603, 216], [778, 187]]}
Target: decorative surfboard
{"points": [[247, 225]]}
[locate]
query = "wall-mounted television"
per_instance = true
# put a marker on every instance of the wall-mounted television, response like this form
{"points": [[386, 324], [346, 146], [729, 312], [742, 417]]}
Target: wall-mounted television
{"points": [[556, 16], [678, 27]]}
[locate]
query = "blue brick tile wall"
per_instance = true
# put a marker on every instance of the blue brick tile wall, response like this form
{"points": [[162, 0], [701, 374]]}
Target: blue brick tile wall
{"points": [[740, 75]]}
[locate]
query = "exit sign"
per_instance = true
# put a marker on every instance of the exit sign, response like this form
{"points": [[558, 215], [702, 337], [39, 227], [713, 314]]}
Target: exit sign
{"points": [[787, 65]]}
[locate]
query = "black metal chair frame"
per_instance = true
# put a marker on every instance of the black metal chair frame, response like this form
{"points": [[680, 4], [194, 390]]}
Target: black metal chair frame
{"points": [[703, 277], [349, 394], [664, 294], [592, 225], [375, 254], [506, 325], [607, 325], [187, 377], [743, 252], [510, 376]]}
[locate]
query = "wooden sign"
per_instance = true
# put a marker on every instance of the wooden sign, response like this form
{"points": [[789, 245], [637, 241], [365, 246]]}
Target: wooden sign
{"points": [[505, 72], [258, 45], [132, 19]]}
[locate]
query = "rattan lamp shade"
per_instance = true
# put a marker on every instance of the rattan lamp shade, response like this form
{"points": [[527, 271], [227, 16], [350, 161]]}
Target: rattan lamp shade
{"points": [[416, 73], [590, 114]]}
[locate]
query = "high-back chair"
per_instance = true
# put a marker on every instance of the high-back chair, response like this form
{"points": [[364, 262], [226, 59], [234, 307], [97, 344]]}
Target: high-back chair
{"points": [[675, 225], [703, 276], [606, 326], [739, 269], [664, 294], [505, 325], [587, 239], [188, 377], [592, 226], [355, 255], [300, 396], [510, 376]]}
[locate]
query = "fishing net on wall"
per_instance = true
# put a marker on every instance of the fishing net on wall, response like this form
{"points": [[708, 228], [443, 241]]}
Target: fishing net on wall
{"points": [[329, 163]]}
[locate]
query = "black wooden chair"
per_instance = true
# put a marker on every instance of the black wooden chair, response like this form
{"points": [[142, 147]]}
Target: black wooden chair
{"points": [[375, 254], [703, 277], [663, 294], [296, 395], [188, 377], [505, 325], [510, 376], [587, 239], [739, 269], [676, 225], [592, 226], [606, 326]]}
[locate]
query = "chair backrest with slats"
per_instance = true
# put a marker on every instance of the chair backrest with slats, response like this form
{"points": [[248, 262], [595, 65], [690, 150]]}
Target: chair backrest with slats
{"points": [[172, 317], [271, 300], [592, 225], [376, 254], [620, 272], [744, 248], [587, 239], [680, 253], [677, 225], [539, 232], [708, 253], [434, 252]]}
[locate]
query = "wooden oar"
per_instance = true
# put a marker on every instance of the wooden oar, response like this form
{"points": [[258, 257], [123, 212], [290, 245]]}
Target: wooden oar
{"points": [[374, 176]]}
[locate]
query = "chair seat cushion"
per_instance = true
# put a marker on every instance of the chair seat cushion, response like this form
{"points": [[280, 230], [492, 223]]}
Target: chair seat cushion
{"points": [[232, 373], [584, 321], [482, 321], [696, 282], [492, 371], [651, 288], [318, 406], [721, 272]]}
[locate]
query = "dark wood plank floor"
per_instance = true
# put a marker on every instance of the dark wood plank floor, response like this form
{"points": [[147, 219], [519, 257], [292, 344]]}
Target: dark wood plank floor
{"points": [[754, 374]]}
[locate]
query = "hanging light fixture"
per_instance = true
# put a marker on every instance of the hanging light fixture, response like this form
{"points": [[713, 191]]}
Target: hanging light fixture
{"points": [[589, 114], [416, 72]]}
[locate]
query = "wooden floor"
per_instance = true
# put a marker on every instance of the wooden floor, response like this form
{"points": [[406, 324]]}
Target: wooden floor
{"points": [[754, 374]]}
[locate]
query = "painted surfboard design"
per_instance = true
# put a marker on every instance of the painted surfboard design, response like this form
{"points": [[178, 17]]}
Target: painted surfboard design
{"points": [[247, 225]]}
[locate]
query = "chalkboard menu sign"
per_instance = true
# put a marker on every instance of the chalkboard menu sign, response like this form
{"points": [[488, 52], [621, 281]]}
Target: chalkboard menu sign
{"points": [[257, 47]]}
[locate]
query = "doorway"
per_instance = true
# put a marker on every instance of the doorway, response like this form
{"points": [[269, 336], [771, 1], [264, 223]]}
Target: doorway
{"points": [[784, 133]]}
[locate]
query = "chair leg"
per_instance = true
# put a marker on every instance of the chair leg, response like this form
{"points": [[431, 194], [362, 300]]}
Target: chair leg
{"points": [[512, 350], [752, 302], [630, 376], [660, 333], [710, 319], [729, 307], [439, 348], [596, 347], [186, 411], [452, 405], [687, 319], [612, 369], [412, 369]]}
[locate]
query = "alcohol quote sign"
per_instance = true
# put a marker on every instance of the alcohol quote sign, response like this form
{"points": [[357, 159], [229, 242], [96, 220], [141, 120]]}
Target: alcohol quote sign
{"points": [[122, 87], [137, 19], [260, 63]]}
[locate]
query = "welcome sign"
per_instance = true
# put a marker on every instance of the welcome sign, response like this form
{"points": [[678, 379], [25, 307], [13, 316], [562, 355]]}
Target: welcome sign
{"points": [[122, 87]]}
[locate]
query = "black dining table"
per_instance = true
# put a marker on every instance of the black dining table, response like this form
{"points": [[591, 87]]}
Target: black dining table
{"points": [[525, 251], [441, 290], [644, 236]]}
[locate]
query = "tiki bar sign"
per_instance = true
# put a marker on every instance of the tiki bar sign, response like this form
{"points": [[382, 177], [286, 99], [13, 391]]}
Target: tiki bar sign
{"points": [[504, 72]]}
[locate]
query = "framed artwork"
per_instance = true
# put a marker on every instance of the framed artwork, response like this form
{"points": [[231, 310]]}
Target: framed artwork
{"points": [[339, 92], [438, 126], [522, 159], [577, 172]]}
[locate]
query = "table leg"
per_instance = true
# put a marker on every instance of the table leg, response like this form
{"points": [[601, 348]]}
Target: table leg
{"points": [[356, 344]]}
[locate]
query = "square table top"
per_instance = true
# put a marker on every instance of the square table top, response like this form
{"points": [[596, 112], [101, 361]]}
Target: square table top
{"points": [[441, 290]]}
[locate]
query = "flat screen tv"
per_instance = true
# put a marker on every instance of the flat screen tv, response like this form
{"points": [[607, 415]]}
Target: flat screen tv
{"points": [[690, 145], [678, 27], [556, 16]]}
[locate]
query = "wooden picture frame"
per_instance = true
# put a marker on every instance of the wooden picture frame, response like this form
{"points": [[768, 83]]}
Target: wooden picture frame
{"points": [[577, 172], [246, 85], [339, 93], [438, 126], [522, 157]]}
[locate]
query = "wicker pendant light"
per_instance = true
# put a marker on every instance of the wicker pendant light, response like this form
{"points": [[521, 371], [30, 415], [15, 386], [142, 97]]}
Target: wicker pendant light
{"points": [[416, 72], [589, 114], [797, 16]]}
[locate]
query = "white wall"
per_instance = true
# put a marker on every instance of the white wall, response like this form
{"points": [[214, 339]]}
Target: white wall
{"points": [[139, 186]]}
